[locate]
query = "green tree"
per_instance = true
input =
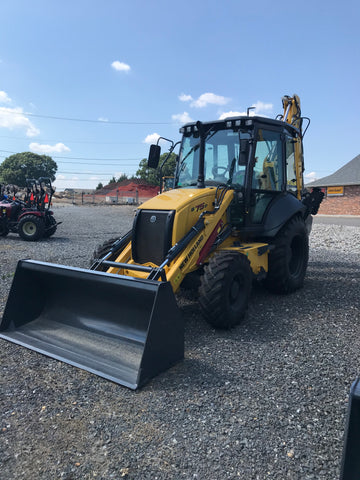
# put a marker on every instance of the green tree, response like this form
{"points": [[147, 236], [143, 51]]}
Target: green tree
{"points": [[152, 175], [112, 180], [20, 166], [100, 186], [122, 177]]}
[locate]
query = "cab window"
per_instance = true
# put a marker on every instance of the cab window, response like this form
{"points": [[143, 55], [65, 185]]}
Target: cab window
{"points": [[268, 171]]}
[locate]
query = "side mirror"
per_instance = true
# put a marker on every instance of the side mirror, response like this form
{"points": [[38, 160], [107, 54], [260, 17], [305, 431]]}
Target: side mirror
{"points": [[244, 152], [154, 156]]}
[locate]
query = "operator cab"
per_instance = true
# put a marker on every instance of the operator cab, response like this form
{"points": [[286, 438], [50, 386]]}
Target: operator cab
{"points": [[258, 157], [229, 158], [255, 156]]}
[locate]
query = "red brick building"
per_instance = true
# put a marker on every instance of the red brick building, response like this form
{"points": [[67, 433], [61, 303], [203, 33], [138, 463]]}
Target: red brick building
{"points": [[342, 190]]}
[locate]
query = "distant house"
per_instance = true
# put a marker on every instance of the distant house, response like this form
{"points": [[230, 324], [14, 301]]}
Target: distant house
{"points": [[342, 190]]}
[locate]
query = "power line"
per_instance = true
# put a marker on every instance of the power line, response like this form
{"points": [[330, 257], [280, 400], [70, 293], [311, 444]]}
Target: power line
{"points": [[71, 119], [85, 173], [86, 142], [99, 159], [84, 158], [119, 163]]}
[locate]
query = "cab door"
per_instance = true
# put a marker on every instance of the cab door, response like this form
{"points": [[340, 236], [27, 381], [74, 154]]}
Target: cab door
{"points": [[268, 173]]}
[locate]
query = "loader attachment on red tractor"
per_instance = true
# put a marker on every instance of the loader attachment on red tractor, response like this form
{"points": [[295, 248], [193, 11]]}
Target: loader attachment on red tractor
{"points": [[123, 329]]}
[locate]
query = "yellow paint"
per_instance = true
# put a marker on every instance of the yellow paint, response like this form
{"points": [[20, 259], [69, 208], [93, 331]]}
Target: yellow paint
{"points": [[258, 263], [292, 116]]}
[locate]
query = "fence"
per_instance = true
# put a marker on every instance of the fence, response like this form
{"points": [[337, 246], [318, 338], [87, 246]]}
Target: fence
{"points": [[120, 198]]}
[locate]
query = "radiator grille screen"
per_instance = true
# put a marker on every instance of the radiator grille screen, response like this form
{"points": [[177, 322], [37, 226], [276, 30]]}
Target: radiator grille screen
{"points": [[152, 234]]}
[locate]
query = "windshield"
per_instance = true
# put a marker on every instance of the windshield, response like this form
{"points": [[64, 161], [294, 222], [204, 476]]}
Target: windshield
{"points": [[222, 149]]}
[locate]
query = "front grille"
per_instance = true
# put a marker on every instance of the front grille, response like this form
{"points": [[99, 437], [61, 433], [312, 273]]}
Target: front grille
{"points": [[152, 232]]}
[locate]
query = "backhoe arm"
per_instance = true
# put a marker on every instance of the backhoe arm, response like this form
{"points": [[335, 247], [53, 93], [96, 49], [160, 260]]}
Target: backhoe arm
{"points": [[292, 115]]}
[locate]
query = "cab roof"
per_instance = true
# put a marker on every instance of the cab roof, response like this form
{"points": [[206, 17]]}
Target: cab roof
{"points": [[242, 121]]}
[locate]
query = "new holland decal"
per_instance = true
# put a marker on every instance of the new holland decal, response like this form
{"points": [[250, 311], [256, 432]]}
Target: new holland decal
{"points": [[191, 252]]}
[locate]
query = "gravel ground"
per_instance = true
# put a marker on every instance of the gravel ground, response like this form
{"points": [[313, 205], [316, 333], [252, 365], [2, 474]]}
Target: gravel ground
{"points": [[265, 400]]}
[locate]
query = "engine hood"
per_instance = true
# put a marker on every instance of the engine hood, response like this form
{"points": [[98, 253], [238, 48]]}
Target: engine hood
{"points": [[182, 198]]}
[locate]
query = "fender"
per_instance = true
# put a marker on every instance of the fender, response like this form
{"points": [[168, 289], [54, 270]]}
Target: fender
{"points": [[279, 211], [30, 212]]}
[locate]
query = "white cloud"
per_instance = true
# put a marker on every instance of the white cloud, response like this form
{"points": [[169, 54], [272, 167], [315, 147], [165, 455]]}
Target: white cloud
{"points": [[204, 100], [152, 138], [182, 118], [58, 148], [261, 107], [4, 97], [231, 113], [185, 98], [15, 118], [310, 177], [209, 98], [120, 66], [103, 119]]}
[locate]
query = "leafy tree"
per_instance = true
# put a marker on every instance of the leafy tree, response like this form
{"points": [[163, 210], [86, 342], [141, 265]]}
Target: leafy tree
{"points": [[20, 166], [100, 186], [122, 177], [152, 175], [112, 180]]}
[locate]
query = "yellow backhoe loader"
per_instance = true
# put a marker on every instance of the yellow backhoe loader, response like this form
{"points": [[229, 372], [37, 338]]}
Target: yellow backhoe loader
{"points": [[238, 212]]}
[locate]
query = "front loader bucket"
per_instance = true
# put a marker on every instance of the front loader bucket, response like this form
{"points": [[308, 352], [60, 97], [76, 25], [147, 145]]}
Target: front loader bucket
{"points": [[124, 329]]}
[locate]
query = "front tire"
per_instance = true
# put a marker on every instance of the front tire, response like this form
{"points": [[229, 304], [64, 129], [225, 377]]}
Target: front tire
{"points": [[225, 289], [31, 228], [100, 252], [288, 261]]}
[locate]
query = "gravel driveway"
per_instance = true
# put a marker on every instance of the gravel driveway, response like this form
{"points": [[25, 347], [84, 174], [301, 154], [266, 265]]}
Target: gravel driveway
{"points": [[264, 400]]}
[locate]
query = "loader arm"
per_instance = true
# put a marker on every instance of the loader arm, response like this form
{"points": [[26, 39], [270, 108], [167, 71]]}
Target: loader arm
{"points": [[183, 257]]}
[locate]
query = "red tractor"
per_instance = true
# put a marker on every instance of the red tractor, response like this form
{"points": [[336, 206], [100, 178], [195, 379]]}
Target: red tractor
{"points": [[31, 218]]}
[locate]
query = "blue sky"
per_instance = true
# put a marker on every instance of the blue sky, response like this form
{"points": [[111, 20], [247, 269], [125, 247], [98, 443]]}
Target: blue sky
{"points": [[115, 73]]}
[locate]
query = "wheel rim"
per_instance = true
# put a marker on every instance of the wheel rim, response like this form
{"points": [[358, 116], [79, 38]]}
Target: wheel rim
{"points": [[297, 256], [29, 228]]}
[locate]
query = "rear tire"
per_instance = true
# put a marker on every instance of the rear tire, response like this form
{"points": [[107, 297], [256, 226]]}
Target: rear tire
{"points": [[31, 228], [225, 289], [288, 261]]}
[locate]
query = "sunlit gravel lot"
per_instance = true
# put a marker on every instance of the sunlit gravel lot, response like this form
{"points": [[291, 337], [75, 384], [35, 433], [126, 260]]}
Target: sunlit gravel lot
{"points": [[265, 400]]}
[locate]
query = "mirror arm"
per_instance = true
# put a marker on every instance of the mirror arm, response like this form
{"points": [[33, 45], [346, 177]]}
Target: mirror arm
{"points": [[171, 149]]}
